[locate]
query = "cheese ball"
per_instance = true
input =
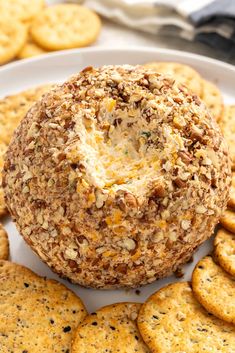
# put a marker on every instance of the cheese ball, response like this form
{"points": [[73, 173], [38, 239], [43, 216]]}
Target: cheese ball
{"points": [[115, 177]]}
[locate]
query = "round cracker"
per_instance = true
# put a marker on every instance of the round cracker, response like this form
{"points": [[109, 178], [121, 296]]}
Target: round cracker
{"points": [[228, 128], [224, 244], [228, 220], [3, 209], [112, 328], [30, 49], [213, 99], [65, 26], [231, 201], [4, 244], [214, 289], [172, 320], [184, 74], [23, 10], [14, 108], [36, 314], [13, 36]]}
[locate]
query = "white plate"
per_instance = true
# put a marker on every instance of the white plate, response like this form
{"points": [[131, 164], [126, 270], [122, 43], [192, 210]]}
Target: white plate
{"points": [[58, 67]]}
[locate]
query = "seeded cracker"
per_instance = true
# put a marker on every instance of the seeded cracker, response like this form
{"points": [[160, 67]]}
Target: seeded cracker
{"points": [[36, 314], [130, 175], [224, 244], [172, 320], [110, 329], [4, 244], [214, 289], [65, 26]]}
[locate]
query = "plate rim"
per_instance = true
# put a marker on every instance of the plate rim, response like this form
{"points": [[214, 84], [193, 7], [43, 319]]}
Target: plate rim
{"points": [[97, 298], [170, 52]]}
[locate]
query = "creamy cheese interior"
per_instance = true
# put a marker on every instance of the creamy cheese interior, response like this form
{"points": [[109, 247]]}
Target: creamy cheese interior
{"points": [[117, 160], [118, 156], [122, 152]]}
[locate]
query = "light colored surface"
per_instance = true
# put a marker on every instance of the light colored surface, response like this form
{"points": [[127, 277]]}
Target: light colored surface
{"points": [[57, 67], [115, 35]]}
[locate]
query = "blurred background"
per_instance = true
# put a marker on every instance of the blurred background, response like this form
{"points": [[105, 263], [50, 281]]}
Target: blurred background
{"points": [[204, 27]]}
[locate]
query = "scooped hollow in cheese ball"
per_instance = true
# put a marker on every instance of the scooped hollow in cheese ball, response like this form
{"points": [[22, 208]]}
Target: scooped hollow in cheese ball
{"points": [[115, 177]]}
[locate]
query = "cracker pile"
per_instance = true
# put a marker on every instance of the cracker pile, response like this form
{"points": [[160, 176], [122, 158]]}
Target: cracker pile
{"points": [[197, 316], [29, 28], [180, 317], [225, 238]]}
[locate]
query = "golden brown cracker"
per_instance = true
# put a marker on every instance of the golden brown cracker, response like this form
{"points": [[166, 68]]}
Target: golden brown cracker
{"points": [[13, 36], [23, 10], [3, 148], [36, 314], [213, 99], [30, 49], [3, 209], [214, 289], [231, 201], [224, 251], [172, 320], [228, 128], [112, 328], [228, 220], [65, 26], [4, 244], [14, 108]]}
